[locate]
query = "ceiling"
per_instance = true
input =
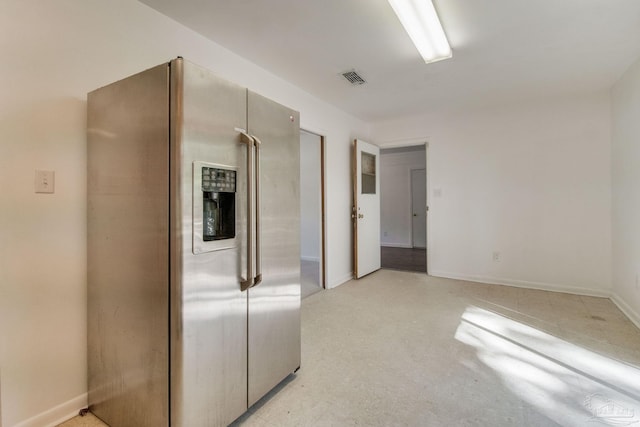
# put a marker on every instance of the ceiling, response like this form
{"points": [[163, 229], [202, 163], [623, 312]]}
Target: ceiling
{"points": [[503, 50]]}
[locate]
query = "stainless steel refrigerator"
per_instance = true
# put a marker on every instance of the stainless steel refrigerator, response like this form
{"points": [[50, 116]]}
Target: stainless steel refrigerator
{"points": [[193, 248]]}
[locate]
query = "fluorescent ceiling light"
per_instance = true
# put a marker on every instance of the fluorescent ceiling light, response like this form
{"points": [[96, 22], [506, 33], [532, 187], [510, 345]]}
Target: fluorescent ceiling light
{"points": [[421, 22]]}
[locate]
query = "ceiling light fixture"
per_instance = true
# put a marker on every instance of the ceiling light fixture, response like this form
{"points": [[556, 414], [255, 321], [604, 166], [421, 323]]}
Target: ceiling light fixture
{"points": [[421, 22]]}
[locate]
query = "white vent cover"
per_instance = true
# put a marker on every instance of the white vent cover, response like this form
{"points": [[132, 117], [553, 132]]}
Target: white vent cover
{"points": [[353, 78]]}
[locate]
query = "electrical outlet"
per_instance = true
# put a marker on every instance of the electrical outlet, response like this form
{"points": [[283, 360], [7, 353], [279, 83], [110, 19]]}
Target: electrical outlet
{"points": [[496, 256], [385, 234], [45, 181]]}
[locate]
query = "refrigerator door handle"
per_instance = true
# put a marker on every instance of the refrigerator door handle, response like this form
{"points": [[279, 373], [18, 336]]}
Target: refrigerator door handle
{"points": [[248, 282], [258, 276]]}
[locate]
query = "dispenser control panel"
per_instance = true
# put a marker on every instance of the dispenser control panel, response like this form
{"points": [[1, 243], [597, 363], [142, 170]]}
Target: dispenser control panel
{"points": [[218, 180]]}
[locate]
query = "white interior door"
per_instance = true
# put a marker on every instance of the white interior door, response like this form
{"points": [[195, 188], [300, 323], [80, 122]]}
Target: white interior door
{"points": [[419, 208], [366, 211]]}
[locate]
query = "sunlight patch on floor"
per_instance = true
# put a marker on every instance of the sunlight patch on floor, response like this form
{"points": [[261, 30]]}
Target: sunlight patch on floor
{"points": [[568, 383]]}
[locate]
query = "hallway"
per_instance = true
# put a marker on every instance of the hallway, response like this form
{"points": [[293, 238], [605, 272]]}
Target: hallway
{"points": [[406, 259]]}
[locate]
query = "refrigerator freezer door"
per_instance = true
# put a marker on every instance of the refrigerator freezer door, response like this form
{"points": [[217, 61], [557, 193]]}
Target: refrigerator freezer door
{"points": [[274, 303], [209, 314], [128, 250]]}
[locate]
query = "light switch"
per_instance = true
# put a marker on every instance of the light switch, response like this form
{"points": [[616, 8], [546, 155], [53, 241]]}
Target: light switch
{"points": [[45, 181]]}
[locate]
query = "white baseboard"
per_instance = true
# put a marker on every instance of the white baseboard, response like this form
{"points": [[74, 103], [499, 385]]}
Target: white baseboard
{"points": [[58, 414], [605, 293], [396, 245], [340, 281], [310, 258], [626, 309]]}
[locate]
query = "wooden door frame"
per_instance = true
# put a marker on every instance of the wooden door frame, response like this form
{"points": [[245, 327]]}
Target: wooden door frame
{"points": [[323, 213], [354, 204], [411, 170]]}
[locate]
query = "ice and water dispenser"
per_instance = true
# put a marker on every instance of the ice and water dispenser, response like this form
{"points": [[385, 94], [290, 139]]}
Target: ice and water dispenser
{"points": [[214, 207]]}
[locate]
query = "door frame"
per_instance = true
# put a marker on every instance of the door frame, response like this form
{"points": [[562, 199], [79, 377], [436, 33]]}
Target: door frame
{"points": [[323, 206], [413, 245], [427, 167], [323, 214]]}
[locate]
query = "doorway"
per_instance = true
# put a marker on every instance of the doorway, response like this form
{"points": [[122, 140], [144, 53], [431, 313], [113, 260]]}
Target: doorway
{"points": [[403, 210], [312, 232]]}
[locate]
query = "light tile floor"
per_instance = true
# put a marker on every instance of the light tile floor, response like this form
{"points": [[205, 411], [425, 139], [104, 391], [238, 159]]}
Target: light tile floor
{"points": [[405, 349], [89, 420]]}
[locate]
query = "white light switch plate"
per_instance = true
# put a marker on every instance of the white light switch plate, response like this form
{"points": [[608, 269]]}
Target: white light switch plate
{"points": [[45, 181]]}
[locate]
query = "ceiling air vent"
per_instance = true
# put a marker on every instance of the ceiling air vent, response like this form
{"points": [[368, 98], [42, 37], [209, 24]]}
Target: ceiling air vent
{"points": [[353, 78]]}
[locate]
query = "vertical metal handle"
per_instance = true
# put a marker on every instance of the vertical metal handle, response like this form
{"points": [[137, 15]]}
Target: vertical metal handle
{"points": [[248, 282], [258, 277]]}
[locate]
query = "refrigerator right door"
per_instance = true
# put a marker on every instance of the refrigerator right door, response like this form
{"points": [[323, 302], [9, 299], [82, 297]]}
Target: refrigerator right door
{"points": [[274, 303]]}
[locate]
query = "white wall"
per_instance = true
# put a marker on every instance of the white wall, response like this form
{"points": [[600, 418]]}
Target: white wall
{"points": [[310, 196], [530, 181], [626, 196], [395, 194], [54, 53]]}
